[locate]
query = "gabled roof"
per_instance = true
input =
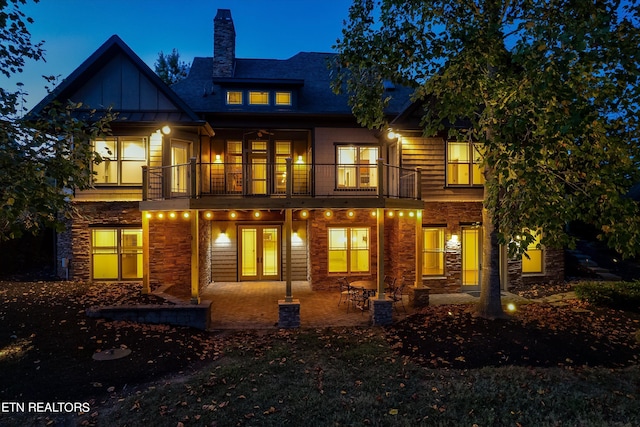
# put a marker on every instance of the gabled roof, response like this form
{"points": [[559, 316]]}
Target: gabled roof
{"points": [[127, 95], [308, 70]]}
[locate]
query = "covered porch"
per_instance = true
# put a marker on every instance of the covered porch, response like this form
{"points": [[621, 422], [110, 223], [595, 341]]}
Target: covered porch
{"points": [[254, 305]]}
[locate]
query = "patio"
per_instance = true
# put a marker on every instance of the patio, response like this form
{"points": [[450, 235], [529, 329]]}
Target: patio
{"points": [[254, 305]]}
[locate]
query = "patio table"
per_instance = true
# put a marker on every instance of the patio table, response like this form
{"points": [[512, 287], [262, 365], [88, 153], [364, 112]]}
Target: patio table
{"points": [[368, 289]]}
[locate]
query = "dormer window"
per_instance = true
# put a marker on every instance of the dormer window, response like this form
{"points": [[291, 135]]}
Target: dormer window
{"points": [[234, 97], [283, 98], [258, 97]]}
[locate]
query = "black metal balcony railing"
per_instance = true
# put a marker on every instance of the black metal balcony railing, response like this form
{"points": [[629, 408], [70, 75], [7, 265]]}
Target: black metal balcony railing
{"points": [[258, 178]]}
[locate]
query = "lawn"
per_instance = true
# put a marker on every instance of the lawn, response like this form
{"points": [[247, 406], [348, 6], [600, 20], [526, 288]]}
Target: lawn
{"points": [[548, 365]]}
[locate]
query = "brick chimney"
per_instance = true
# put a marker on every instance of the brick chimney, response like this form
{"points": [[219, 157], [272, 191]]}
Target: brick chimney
{"points": [[224, 44]]}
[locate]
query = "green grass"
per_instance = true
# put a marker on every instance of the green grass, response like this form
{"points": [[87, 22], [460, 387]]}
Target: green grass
{"points": [[350, 377], [616, 295]]}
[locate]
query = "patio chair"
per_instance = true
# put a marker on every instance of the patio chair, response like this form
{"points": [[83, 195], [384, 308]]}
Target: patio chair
{"points": [[389, 284], [396, 295], [345, 291]]}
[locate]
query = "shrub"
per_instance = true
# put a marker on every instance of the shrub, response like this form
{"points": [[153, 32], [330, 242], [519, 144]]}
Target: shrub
{"points": [[617, 295]]}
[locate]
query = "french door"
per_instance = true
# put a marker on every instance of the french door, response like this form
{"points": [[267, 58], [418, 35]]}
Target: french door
{"points": [[259, 252]]}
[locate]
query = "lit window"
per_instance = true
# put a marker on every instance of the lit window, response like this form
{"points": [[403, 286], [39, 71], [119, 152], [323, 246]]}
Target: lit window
{"points": [[534, 263], [122, 160], [234, 97], [283, 98], [116, 253], [233, 166], [258, 98], [463, 163], [283, 152], [433, 251], [357, 167], [348, 250]]}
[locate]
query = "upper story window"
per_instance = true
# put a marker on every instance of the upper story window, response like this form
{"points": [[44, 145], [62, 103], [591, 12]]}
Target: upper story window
{"points": [[122, 160], [234, 97], [283, 98], [357, 166], [258, 97], [463, 163]]}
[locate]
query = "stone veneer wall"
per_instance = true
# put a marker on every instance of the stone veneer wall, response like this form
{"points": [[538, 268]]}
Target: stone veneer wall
{"points": [[553, 270], [170, 254], [206, 253], [457, 214], [75, 241], [321, 280], [453, 215], [400, 251]]}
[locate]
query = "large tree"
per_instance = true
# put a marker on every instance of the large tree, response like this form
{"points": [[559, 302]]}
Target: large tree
{"points": [[169, 67], [45, 158], [549, 88]]}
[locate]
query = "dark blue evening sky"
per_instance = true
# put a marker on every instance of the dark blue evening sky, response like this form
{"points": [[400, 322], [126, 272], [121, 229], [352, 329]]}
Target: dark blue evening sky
{"points": [[74, 29]]}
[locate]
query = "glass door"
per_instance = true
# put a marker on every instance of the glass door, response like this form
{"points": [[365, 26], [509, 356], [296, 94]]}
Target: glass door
{"points": [[179, 167], [258, 168], [259, 253], [471, 258]]}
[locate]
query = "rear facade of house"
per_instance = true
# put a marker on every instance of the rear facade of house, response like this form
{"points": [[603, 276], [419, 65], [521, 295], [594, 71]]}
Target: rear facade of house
{"points": [[254, 170]]}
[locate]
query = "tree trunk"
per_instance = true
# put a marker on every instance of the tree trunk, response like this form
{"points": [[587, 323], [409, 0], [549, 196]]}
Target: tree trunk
{"points": [[490, 304]]}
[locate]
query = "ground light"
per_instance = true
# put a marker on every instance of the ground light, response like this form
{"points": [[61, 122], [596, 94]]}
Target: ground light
{"points": [[511, 307]]}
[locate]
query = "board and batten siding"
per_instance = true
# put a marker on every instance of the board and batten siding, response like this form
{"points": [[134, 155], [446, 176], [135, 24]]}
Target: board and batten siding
{"points": [[429, 155], [119, 84], [224, 252]]}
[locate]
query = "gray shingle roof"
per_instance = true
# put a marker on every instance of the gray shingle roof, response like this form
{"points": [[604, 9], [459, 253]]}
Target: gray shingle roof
{"points": [[202, 94]]}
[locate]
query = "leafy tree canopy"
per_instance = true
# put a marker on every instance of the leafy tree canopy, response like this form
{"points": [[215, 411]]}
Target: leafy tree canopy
{"points": [[44, 159], [549, 87], [169, 67]]}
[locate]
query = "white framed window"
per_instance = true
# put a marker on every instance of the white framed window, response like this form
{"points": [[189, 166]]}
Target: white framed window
{"points": [[349, 250], [258, 97], [116, 253], [357, 167], [234, 97], [433, 251], [122, 160], [463, 163]]}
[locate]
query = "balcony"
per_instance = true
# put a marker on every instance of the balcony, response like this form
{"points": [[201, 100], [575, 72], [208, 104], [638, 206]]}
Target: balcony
{"points": [[213, 184]]}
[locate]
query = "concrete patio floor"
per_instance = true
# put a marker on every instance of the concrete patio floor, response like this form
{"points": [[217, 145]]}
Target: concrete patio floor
{"points": [[254, 305]]}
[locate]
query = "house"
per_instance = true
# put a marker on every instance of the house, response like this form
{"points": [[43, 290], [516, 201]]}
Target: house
{"points": [[254, 170]]}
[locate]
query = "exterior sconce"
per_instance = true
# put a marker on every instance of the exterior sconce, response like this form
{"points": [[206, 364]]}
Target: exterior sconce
{"points": [[186, 215], [166, 129], [328, 214], [233, 215], [391, 135], [172, 215], [351, 213], [160, 215], [304, 214], [208, 215], [411, 214], [400, 214], [390, 214], [373, 214], [257, 214], [148, 215]]}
